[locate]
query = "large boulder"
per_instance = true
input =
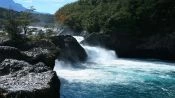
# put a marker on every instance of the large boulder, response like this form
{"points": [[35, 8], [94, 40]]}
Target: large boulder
{"points": [[70, 49], [17, 43], [19, 79], [64, 47], [42, 51], [26, 69], [42, 55], [32, 56], [7, 52]]}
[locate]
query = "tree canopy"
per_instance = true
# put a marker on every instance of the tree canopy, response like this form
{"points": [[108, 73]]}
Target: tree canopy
{"points": [[143, 17]]}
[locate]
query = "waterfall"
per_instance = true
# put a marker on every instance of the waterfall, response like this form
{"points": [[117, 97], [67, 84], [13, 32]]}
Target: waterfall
{"points": [[97, 54], [79, 38], [106, 76]]}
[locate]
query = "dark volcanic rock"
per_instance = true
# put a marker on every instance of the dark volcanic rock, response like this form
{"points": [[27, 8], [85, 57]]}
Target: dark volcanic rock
{"points": [[64, 47], [42, 55], [42, 51], [95, 39], [32, 56], [46, 44], [70, 49], [26, 44], [26, 69], [20, 43], [127, 46], [7, 52], [19, 79]]}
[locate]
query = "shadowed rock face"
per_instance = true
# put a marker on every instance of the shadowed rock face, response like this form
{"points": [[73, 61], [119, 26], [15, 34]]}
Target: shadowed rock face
{"points": [[42, 55], [70, 49], [10, 53], [26, 68], [19, 79], [32, 56], [156, 46], [64, 47]]}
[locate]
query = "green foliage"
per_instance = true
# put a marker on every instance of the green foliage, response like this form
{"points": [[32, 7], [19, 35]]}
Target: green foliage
{"points": [[134, 17], [37, 18], [16, 23], [13, 23], [12, 27], [25, 19]]}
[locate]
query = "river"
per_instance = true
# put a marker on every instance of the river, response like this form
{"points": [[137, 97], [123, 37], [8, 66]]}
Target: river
{"points": [[104, 75]]}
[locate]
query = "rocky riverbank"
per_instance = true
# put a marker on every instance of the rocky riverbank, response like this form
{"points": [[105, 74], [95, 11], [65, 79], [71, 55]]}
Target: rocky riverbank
{"points": [[26, 67], [154, 47]]}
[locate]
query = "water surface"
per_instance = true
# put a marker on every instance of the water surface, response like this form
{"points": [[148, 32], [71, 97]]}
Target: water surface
{"points": [[106, 76]]}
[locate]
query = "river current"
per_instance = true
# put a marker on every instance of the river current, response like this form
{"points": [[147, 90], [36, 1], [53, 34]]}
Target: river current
{"points": [[106, 76]]}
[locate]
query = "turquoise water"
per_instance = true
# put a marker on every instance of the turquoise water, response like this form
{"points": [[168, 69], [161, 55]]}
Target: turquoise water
{"points": [[118, 78], [106, 76]]}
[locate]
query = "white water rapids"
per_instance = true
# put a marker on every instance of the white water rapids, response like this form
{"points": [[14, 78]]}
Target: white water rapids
{"points": [[106, 76]]}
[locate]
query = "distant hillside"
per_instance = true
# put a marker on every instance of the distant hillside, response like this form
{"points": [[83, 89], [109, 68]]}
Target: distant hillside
{"points": [[39, 19], [10, 4]]}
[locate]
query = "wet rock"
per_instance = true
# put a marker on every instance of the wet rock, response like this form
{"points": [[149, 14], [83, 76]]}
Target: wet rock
{"points": [[19, 79], [127, 46], [70, 49], [95, 39]]}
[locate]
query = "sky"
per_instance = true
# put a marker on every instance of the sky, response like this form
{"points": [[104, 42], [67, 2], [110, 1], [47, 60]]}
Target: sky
{"points": [[44, 6]]}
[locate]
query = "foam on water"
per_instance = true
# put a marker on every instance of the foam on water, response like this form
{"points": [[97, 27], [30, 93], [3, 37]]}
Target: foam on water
{"points": [[99, 55], [118, 71], [103, 71], [79, 38]]}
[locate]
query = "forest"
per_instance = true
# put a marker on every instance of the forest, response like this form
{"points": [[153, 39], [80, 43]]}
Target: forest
{"points": [[131, 25]]}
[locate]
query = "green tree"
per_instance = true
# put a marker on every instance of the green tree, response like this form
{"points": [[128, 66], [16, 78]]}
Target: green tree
{"points": [[25, 19], [12, 26]]}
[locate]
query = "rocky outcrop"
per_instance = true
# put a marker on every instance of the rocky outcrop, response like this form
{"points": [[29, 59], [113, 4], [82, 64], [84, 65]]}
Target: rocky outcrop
{"points": [[26, 69], [156, 46], [20, 43], [64, 47], [28, 74], [32, 56], [45, 44], [70, 49], [19, 79], [46, 56], [96, 39], [7, 52]]}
